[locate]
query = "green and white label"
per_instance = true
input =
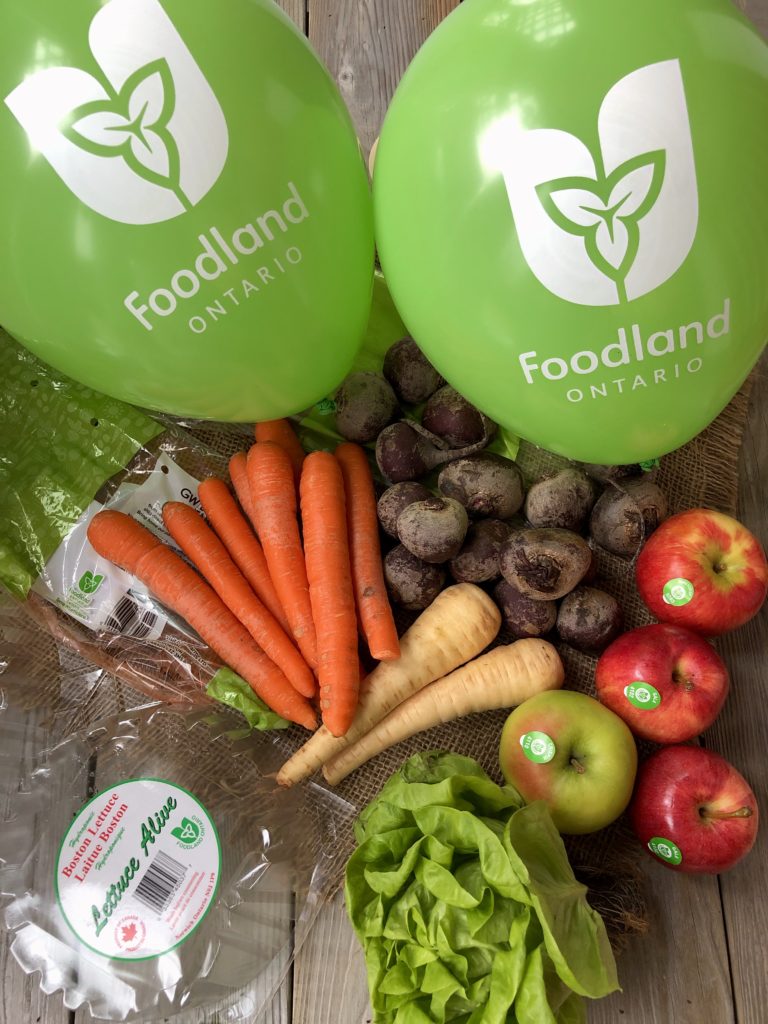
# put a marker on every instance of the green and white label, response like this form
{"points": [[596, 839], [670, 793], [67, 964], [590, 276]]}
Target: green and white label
{"points": [[92, 589], [537, 747], [678, 591], [665, 850], [138, 869], [642, 695]]}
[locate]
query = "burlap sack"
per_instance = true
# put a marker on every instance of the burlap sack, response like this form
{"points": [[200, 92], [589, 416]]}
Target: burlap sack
{"points": [[79, 685]]}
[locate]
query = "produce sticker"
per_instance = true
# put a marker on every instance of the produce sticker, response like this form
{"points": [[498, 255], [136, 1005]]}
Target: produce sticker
{"points": [[642, 695], [138, 869], [538, 747], [678, 591], [665, 850]]}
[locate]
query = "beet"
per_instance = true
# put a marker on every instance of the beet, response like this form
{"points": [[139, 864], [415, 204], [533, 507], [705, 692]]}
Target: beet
{"points": [[410, 373], [411, 582], [545, 564], [589, 619], [433, 529], [478, 560], [485, 484], [451, 417], [625, 516], [395, 499], [521, 616], [402, 453], [563, 501], [365, 404]]}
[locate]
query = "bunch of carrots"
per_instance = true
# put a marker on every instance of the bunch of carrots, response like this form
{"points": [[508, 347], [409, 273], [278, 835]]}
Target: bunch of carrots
{"points": [[284, 576]]}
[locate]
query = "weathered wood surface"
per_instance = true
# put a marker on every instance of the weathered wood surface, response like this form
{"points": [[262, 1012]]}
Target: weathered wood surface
{"points": [[704, 959], [741, 735]]}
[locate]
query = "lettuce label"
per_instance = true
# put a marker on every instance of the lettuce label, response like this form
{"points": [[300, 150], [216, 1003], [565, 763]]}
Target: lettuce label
{"points": [[138, 869]]}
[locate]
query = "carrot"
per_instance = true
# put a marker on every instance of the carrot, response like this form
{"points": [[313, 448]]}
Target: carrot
{"points": [[282, 433], [119, 538], [326, 553], [273, 494], [502, 678], [242, 544], [238, 474], [365, 553], [204, 549], [456, 627]]}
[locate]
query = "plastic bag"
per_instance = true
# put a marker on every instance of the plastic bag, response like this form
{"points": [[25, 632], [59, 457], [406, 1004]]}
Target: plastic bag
{"points": [[152, 866], [67, 453]]}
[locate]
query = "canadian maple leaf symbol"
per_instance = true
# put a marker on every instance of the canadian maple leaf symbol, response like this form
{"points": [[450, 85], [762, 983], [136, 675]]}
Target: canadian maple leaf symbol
{"points": [[129, 932]]}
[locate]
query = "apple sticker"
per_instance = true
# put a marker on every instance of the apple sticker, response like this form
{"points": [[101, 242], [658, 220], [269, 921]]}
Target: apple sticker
{"points": [[537, 747]]}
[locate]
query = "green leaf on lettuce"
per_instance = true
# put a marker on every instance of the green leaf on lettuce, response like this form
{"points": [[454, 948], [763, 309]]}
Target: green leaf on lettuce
{"points": [[228, 688], [466, 904]]}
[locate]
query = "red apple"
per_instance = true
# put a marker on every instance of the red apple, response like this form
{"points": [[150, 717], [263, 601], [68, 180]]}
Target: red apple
{"points": [[666, 682], [693, 811], [703, 570]]}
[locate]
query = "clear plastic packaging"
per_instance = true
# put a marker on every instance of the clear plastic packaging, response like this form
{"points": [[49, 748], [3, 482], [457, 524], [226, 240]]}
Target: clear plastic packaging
{"points": [[96, 929], [67, 453]]}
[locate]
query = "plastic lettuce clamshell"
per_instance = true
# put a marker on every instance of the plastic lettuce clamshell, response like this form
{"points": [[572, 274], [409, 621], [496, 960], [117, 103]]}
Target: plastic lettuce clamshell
{"points": [[150, 866]]}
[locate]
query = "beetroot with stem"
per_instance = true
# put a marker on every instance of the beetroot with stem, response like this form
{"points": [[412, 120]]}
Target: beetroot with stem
{"points": [[406, 451], [403, 454]]}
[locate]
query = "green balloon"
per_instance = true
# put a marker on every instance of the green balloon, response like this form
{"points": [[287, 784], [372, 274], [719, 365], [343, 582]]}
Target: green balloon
{"points": [[187, 221], [572, 215]]}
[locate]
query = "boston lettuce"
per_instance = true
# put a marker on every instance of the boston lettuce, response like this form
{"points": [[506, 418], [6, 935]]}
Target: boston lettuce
{"points": [[466, 905]]}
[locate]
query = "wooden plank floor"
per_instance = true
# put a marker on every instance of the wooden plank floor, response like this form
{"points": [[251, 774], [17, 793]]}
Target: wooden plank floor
{"points": [[704, 960]]}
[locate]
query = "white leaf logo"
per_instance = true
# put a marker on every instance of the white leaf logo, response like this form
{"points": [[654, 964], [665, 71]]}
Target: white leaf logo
{"points": [[104, 128], [603, 223], [607, 212], [134, 126], [136, 133]]}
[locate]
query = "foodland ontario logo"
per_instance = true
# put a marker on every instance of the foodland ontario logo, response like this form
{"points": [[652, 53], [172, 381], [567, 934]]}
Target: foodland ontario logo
{"points": [[605, 228], [142, 140]]}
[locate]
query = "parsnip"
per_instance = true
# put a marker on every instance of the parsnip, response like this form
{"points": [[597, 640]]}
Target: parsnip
{"points": [[459, 623], [502, 678]]}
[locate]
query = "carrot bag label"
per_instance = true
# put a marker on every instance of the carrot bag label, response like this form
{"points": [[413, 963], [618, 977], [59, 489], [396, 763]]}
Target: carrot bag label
{"points": [[138, 869], [93, 590]]}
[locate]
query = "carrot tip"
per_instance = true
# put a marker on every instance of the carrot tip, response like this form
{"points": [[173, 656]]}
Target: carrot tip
{"points": [[386, 654]]}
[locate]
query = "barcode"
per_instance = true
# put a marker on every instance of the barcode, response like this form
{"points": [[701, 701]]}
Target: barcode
{"points": [[160, 882], [129, 619]]}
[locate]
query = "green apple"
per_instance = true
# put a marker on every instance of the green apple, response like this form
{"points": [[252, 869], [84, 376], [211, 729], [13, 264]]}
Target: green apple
{"points": [[574, 754]]}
